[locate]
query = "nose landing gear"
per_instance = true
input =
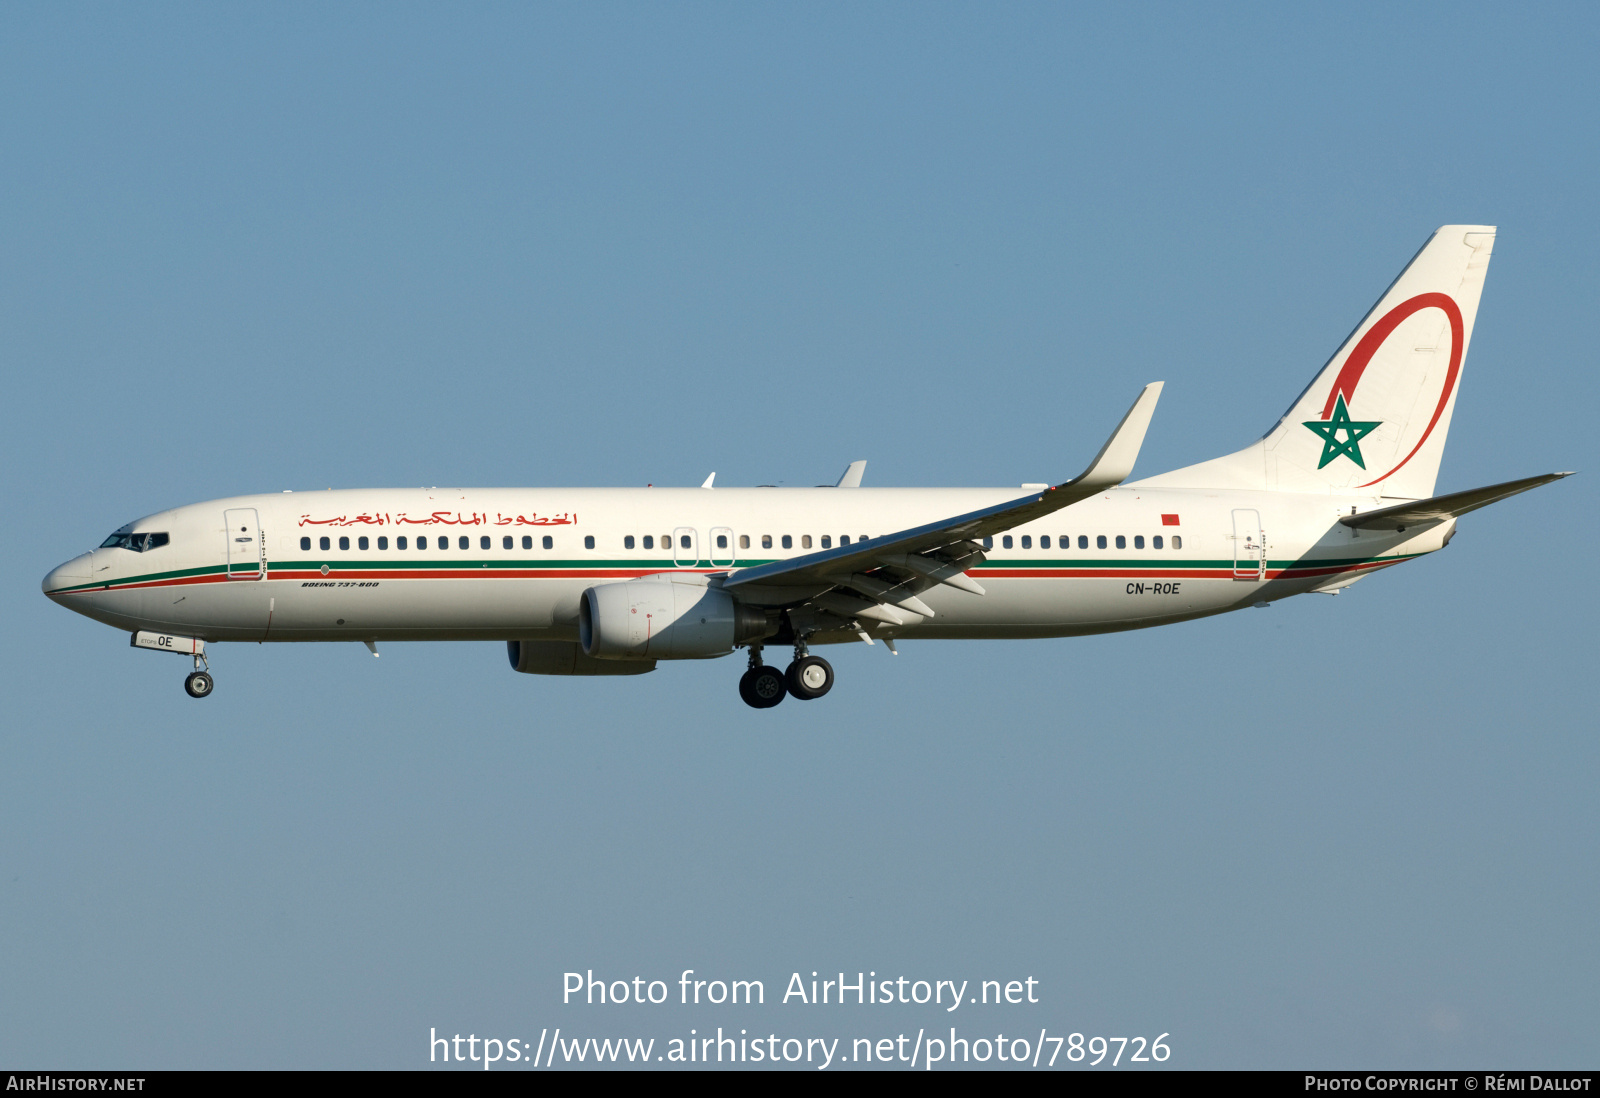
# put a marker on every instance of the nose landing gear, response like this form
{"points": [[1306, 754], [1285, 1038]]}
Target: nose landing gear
{"points": [[198, 684]]}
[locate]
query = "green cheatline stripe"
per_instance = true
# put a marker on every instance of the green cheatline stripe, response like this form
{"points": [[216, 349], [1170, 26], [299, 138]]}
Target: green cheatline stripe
{"points": [[1183, 562], [411, 564], [149, 577]]}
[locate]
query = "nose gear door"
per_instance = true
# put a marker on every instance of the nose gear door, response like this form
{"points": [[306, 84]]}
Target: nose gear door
{"points": [[247, 549]]}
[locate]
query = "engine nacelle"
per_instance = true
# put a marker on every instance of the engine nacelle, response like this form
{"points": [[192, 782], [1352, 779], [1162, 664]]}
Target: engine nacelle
{"points": [[667, 616], [564, 658]]}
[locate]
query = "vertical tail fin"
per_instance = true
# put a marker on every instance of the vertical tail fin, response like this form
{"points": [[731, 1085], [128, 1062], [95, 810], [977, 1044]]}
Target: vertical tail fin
{"points": [[1374, 420]]}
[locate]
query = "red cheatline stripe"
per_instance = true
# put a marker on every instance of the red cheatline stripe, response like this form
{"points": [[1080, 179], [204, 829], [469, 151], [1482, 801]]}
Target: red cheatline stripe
{"points": [[1107, 573], [180, 581], [485, 573], [464, 573], [626, 573]]}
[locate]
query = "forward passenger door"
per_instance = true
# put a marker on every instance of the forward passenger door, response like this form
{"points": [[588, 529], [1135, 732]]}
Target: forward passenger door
{"points": [[247, 552]]}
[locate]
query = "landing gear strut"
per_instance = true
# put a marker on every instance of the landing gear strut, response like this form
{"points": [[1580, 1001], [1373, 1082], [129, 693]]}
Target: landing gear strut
{"points": [[199, 684], [761, 687], [808, 677]]}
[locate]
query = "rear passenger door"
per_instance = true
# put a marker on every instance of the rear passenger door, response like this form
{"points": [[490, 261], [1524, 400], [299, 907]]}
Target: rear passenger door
{"points": [[1249, 546]]}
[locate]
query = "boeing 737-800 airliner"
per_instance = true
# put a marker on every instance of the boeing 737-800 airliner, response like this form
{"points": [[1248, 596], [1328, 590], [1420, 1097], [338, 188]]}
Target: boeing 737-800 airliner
{"points": [[609, 581]]}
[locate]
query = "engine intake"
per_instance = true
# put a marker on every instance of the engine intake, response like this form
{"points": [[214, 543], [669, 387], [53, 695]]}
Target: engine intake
{"points": [[667, 616]]}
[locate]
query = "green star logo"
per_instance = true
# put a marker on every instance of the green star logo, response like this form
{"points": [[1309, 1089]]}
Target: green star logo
{"points": [[1354, 432]]}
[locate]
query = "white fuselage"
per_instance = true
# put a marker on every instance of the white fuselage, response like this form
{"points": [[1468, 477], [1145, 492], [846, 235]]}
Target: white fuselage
{"points": [[254, 568]]}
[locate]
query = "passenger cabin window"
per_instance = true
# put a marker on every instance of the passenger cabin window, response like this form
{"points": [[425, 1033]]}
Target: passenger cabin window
{"points": [[1005, 542], [988, 543], [1027, 542], [383, 543], [549, 542], [422, 542], [683, 541], [464, 542], [324, 543], [744, 541], [1138, 541], [766, 541], [527, 541], [505, 542], [1122, 542], [1177, 542], [305, 545], [844, 539], [788, 542], [400, 542], [588, 541], [827, 542], [1155, 542], [1044, 541], [483, 542], [1083, 541], [805, 541], [722, 541], [627, 541], [362, 543], [1100, 542], [344, 544], [649, 542]]}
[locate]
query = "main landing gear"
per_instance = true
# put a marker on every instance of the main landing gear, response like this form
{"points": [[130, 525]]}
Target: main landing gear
{"points": [[808, 677], [199, 684]]}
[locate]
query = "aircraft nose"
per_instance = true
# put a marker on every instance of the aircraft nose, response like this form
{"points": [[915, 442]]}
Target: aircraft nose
{"points": [[71, 574]]}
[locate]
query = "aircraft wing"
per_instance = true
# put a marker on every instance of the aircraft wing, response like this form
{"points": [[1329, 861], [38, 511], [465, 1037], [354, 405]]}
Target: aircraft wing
{"points": [[888, 571], [1440, 508]]}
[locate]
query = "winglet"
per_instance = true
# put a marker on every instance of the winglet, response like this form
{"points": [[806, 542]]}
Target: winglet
{"points": [[1114, 462], [852, 475], [709, 479]]}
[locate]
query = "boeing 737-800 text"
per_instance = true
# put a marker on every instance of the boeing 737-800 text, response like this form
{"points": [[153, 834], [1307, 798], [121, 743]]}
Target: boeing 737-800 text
{"points": [[609, 581]]}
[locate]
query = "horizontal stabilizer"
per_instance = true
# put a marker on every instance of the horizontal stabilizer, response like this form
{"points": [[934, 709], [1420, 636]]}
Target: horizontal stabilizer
{"points": [[1440, 508]]}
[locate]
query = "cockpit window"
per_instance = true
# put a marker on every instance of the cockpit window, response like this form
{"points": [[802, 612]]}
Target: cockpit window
{"points": [[139, 543]]}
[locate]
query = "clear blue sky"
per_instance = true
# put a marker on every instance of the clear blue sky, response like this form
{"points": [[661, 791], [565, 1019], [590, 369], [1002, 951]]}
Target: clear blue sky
{"points": [[293, 246]]}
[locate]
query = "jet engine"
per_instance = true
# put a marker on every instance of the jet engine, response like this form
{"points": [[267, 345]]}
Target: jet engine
{"points": [[533, 657], [667, 616]]}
